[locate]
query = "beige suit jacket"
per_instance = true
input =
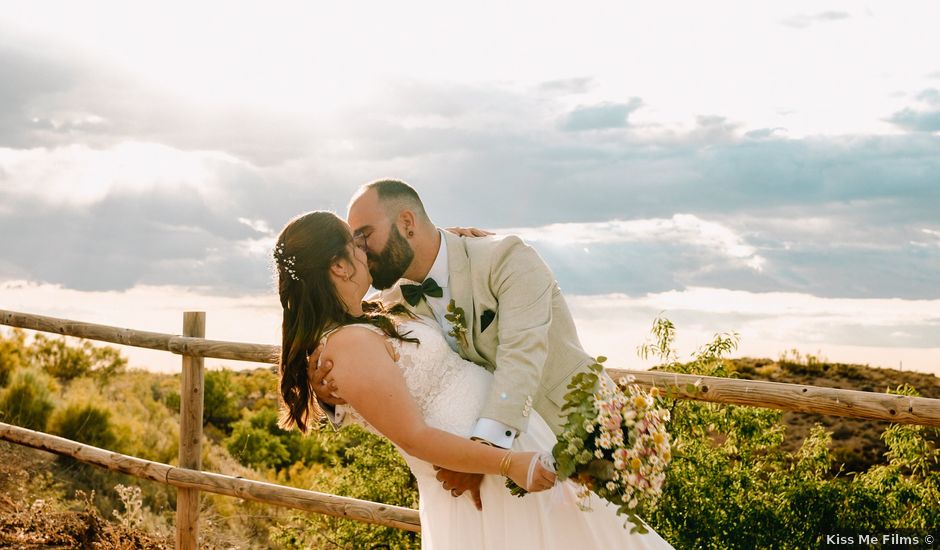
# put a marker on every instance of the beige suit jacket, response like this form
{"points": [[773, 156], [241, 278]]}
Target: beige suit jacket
{"points": [[529, 343]]}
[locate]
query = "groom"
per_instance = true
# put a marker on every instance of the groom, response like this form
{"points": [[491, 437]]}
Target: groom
{"points": [[511, 317]]}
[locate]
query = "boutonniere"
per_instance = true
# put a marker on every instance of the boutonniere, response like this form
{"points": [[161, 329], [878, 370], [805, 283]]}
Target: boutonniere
{"points": [[458, 323]]}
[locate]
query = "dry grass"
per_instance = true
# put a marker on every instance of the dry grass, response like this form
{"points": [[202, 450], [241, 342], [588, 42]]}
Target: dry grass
{"points": [[35, 513]]}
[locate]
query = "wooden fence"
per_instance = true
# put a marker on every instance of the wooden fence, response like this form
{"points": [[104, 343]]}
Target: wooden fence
{"points": [[194, 347]]}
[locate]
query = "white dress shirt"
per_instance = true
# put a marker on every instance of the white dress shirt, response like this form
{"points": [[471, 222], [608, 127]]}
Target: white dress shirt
{"points": [[488, 429]]}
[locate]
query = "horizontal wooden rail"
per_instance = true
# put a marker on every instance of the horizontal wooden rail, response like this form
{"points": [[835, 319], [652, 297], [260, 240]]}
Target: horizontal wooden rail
{"points": [[901, 409], [258, 491], [732, 391], [180, 345]]}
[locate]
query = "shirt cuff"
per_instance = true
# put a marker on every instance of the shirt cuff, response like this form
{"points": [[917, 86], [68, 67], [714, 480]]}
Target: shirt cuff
{"points": [[495, 432], [334, 414]]}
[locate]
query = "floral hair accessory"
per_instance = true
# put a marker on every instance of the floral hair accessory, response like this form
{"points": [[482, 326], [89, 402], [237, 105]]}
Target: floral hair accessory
{"points": [[286, 263]]}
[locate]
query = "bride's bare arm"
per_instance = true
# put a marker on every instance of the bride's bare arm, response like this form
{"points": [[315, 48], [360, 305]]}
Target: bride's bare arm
{"points": [[370, 382]]}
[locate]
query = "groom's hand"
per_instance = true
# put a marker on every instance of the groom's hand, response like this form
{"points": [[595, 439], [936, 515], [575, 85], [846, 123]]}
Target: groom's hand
{"points": [[459, 482], [317, 374]]}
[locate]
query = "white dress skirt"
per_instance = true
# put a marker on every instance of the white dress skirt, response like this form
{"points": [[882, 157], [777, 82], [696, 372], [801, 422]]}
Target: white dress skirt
{"points": [[451, 392]]}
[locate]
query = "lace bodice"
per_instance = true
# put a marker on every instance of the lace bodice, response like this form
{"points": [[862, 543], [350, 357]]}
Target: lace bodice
{"points": [[448, 390]]}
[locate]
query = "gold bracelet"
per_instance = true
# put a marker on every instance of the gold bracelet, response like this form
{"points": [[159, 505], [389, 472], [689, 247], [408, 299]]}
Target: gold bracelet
{"points": [[505, 464]]}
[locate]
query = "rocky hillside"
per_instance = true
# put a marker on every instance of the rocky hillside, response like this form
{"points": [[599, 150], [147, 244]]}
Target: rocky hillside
{"points": [[856, 443]]}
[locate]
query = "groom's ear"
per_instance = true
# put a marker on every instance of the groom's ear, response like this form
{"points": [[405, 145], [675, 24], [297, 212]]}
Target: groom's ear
{"points": [[408, 221]]}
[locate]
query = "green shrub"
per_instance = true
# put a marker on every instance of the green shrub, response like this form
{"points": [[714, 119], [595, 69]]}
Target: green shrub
{"points": [[730, 484], [86, 423], [27, 400], [12, 354], [65, 362], [220, 400], [256, 442], [362, 466]]}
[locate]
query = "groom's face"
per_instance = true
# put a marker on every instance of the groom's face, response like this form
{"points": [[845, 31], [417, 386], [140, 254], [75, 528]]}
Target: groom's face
{"points": [[388, 252]]}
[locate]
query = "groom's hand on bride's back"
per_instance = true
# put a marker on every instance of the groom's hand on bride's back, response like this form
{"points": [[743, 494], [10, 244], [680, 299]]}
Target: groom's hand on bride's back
{"points": [[459, 482], [317, 373], [469, 232]]}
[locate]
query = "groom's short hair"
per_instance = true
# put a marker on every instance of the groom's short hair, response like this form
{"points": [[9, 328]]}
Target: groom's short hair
{"points": [[395, 196]]}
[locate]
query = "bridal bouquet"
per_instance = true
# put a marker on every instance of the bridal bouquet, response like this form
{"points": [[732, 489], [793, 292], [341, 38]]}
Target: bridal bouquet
{"points": [[614, 443]]}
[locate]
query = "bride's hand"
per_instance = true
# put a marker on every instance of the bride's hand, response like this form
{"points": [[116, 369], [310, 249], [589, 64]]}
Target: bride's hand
{"points": [[542, 478], [323, 386]]}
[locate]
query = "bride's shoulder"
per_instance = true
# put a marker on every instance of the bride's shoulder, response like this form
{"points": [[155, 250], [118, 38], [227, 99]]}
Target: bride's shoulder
{"points": [[357, 331], [360, 346], [351, 336]]}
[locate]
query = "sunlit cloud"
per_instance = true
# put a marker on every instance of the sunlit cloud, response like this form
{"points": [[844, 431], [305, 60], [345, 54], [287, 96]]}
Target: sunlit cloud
{"points": [[80, 174], [681, 229], [261, 226]]}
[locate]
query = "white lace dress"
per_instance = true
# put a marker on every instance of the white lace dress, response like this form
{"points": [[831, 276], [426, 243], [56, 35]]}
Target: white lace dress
{"points": [[450, 392]]}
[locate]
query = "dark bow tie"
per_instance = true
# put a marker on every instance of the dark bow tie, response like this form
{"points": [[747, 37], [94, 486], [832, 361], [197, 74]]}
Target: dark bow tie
{"points": [[414, 293]]}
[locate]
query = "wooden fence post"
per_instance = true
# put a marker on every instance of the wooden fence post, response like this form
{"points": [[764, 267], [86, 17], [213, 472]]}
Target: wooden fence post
{"points": [[191, 403]]}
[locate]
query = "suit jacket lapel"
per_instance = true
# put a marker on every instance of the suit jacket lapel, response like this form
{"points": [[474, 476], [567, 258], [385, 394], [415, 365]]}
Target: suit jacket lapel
{"points": [[461, 290]]}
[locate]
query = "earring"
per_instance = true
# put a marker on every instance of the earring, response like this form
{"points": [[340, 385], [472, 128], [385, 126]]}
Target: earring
{"points": [[411, 233]]}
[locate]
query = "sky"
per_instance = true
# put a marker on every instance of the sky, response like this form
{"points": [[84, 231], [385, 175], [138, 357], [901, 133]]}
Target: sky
{"points": [[768, 169]]}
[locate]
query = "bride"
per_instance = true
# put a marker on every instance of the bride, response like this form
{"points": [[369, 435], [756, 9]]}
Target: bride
{"points": [[403, 381]]}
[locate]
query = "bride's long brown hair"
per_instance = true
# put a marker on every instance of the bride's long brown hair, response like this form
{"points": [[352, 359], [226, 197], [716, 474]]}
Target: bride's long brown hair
{"points": [[305, 250]]}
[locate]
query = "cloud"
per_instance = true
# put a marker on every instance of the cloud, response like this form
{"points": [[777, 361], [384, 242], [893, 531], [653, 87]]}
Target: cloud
{"points": [[920, 119], [141, 213], [601, 117], [29, 74], [681, 228], [766, 133], [54, 98], [114, 211], [803, 21], [915, 120], [931, 96], [566, 86]]}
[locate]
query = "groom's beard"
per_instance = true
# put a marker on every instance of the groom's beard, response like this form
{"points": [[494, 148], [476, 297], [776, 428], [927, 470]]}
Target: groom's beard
{"points": [[388, 266]]}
